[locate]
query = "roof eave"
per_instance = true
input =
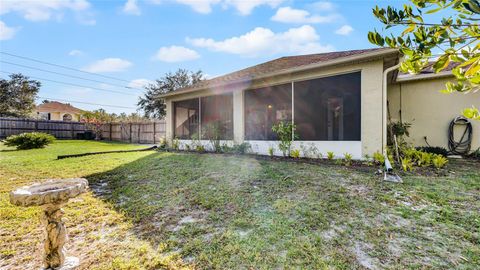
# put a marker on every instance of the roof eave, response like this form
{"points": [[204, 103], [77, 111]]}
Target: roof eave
{"points": [[416, 77], [332, 62]]}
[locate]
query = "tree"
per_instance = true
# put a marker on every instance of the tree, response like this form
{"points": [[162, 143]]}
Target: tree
{"points": [[152, 105], [17, 95], [454, 41], [95, 121]]}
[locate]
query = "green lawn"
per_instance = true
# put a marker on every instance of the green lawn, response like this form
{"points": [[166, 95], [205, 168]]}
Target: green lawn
{"points": [[151, 210]]}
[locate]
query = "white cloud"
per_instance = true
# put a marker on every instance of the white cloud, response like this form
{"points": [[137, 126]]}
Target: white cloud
{"points": [[245, 7], [344, 30], [75, 53], [203, 7], [174, 54], [261, 41], [323, 6], [291, 15], [131, 8], [108, 65], [139, 83], [42, 10], [7, 32]]}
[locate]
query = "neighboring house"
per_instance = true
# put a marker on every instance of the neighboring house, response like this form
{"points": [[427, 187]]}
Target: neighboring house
{"points": [[58, 111], [336, 101]]}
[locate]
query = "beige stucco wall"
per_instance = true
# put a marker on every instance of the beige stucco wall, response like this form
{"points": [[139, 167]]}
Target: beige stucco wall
{"points": [[430, 111], [371, 99], [58, 116]]}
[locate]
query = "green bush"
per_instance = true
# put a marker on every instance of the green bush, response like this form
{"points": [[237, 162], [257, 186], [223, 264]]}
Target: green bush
{"points": [[295, 153], [348, 159], [434, 150], [29, 140], [439, 161], [330, 155]]}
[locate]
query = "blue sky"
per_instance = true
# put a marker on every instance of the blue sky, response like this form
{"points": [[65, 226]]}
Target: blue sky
{"points": [[138, 41]]}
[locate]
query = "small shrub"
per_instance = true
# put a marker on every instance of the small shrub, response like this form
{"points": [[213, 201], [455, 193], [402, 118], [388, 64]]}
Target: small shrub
{"points": [[295, 153], [286, 132], [242, 148], [407, 164], [347, 159], [162, 144], [200, 148], [439, 161], [475, 154], [29, 140], [175, 143], [378, 158], [270, 151], [187, 147], [424, 159], [330, 155], [433, 149]]}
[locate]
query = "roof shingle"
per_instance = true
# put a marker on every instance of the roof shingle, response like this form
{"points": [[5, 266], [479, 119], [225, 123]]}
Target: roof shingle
{"points": [[55, 106]]}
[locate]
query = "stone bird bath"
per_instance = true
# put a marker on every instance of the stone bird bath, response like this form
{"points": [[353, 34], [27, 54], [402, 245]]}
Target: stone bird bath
{"points": [[51, 196]]}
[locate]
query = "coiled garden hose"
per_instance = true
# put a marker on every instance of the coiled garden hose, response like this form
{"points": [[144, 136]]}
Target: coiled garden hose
{"points": [[461, 147]]}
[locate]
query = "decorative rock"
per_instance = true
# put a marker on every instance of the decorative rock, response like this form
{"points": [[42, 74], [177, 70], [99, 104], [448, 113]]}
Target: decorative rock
{"points": [[52, 195]]}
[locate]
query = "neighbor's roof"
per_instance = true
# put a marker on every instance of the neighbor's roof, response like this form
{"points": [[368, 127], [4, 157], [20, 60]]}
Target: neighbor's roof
{"points": [[54, 106], [285, 65]]}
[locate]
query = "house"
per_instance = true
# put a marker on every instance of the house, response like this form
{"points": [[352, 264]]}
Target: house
{"points": [[337, 101], [53, 110]]}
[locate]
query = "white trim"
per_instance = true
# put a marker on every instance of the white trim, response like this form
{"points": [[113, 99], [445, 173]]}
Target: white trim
{"points": [[339, 148], [415, 77], [206, 143]]}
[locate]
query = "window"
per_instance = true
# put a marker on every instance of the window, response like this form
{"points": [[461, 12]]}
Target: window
{"points": [[217, 117], [43, 115], [67, 117], [186, 116], [265, 107], [328, 109]]}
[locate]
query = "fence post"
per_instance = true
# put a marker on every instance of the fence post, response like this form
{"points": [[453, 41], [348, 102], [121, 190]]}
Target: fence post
{"points": [[73, 130], [110, 131], [138, 133], [154, 132], [36, 125], [130, 133]]}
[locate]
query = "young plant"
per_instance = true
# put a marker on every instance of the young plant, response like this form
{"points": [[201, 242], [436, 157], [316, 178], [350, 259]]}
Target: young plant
{"points": [[175, 143], [271, 150], [378, 158], [163, 143], [330, 155], [214, 132], [407, 164], [295, 153], [200, 148], [439, 161], [242, 148], [286, 134], [348, 159]]}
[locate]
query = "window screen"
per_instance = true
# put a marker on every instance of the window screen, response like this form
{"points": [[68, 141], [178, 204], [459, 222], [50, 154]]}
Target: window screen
{"points": [[328, 109], [217, 117], [264, 107], [186, 118]]}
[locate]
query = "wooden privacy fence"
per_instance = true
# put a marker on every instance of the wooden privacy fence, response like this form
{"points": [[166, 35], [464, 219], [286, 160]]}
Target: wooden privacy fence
{"points": [[144, 132], [147, 132], [59, 129]]}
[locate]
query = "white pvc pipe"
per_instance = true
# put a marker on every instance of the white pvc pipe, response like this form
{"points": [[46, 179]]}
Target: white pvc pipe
{"points": [[384, 108]]}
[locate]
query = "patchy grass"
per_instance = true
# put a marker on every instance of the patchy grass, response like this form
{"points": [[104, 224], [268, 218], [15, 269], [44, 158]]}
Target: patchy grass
{"points": [[150, 210]]}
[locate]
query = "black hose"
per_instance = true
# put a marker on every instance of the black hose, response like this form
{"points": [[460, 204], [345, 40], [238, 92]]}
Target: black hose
{"points": [[461, 147]]}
